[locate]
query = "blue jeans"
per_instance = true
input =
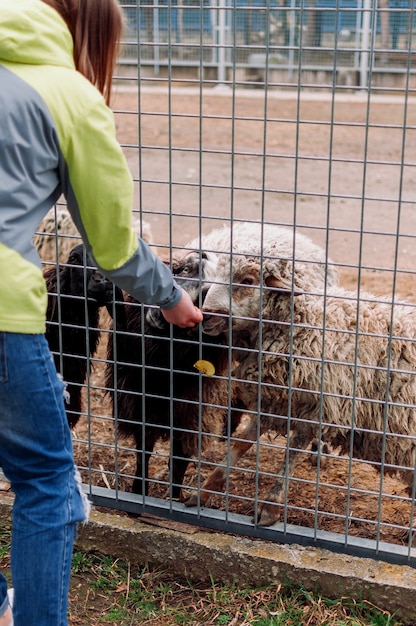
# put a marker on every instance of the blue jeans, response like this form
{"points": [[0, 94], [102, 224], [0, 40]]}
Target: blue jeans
{"points": [[37, 457]]}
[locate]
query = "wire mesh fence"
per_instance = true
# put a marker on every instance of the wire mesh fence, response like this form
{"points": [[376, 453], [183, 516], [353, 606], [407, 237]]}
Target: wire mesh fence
{"points": [[289, 414]]}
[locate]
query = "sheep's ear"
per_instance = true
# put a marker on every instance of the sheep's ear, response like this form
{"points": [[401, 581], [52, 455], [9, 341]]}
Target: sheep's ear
{"points": [[164, 257], [278, 283]]}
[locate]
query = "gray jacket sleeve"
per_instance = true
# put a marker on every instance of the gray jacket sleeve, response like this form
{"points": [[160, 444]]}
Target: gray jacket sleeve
{"points": [[146, 278]]}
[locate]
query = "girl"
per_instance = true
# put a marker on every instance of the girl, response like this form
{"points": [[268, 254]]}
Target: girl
{"points": [[57, 136]]}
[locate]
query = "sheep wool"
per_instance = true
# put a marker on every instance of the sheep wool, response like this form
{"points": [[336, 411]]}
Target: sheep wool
{"points": [[335, 364], [56, 233]]}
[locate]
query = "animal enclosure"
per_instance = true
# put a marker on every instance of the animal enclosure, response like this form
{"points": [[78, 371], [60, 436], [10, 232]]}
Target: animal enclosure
{"points": [[333, 165]]}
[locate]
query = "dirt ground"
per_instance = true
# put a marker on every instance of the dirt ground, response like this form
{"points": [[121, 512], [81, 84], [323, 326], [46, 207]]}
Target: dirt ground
{"points": [[351, 188]]}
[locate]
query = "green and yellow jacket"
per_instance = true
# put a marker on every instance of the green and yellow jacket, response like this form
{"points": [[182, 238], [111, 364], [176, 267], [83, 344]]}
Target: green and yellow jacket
{"points": [[57, 136]]}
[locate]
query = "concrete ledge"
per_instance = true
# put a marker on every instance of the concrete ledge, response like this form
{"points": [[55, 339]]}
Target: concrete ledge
{"points": [[197, 554]]}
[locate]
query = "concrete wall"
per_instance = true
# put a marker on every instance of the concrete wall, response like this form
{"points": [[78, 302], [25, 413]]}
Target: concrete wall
{"points": [[198, 555]]}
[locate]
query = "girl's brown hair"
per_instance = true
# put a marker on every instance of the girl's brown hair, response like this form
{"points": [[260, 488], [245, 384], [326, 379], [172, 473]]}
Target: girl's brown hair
{"points": [[96, 27]]}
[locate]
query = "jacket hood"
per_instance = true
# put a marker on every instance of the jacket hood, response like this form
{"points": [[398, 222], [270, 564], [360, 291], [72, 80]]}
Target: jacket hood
{"points": [[33, 33]]}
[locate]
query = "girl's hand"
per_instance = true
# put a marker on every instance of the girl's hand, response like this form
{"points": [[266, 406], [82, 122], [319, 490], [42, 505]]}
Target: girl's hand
{"points": [[185, 314]]}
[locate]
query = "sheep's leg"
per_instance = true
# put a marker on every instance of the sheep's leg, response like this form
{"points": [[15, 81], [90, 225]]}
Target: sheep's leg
{"points": [[179, 467], [141, 483], [216, 480], [180, 463], [269, 512], [73, 409]]}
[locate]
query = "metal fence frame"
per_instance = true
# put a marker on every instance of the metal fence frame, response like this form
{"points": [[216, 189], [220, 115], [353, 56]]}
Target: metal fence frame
{"points": [[363, 37]]}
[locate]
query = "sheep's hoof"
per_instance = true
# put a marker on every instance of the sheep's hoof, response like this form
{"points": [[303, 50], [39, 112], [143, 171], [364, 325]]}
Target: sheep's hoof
{"points": [[321, 448], [267, 517], [196, 499], [193, 500]]}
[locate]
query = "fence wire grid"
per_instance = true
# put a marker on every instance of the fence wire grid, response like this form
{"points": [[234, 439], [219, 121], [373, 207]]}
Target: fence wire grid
{"points": [[298, 424]]}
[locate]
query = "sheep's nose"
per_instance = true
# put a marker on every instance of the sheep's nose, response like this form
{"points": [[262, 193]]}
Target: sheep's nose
{"points": [[100, 289], [155, 318], [204, 291], [207, 317], [214, 323], [98, 278]]}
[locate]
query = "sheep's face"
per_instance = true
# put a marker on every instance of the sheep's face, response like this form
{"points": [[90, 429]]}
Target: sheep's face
{"points": [[100, 289], [191, 270], [237, 299], [78, 272], [244, 299]]}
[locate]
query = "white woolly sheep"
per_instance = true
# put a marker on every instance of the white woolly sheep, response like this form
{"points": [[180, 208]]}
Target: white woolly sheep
{"points": [[336, 364], [312, 267], [57, 232], [143, 229]]}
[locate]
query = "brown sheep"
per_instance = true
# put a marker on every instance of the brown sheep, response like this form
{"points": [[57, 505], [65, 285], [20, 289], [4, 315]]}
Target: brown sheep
{"points": [[160, 394], [72, 327]]}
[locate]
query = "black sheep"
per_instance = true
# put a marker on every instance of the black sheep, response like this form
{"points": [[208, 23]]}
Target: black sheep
{"points": [[159, 393], [76, 292]]}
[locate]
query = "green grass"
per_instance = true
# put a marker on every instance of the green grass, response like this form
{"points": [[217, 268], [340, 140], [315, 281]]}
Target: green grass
{"points": [[106, 590], [145, 596]]}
